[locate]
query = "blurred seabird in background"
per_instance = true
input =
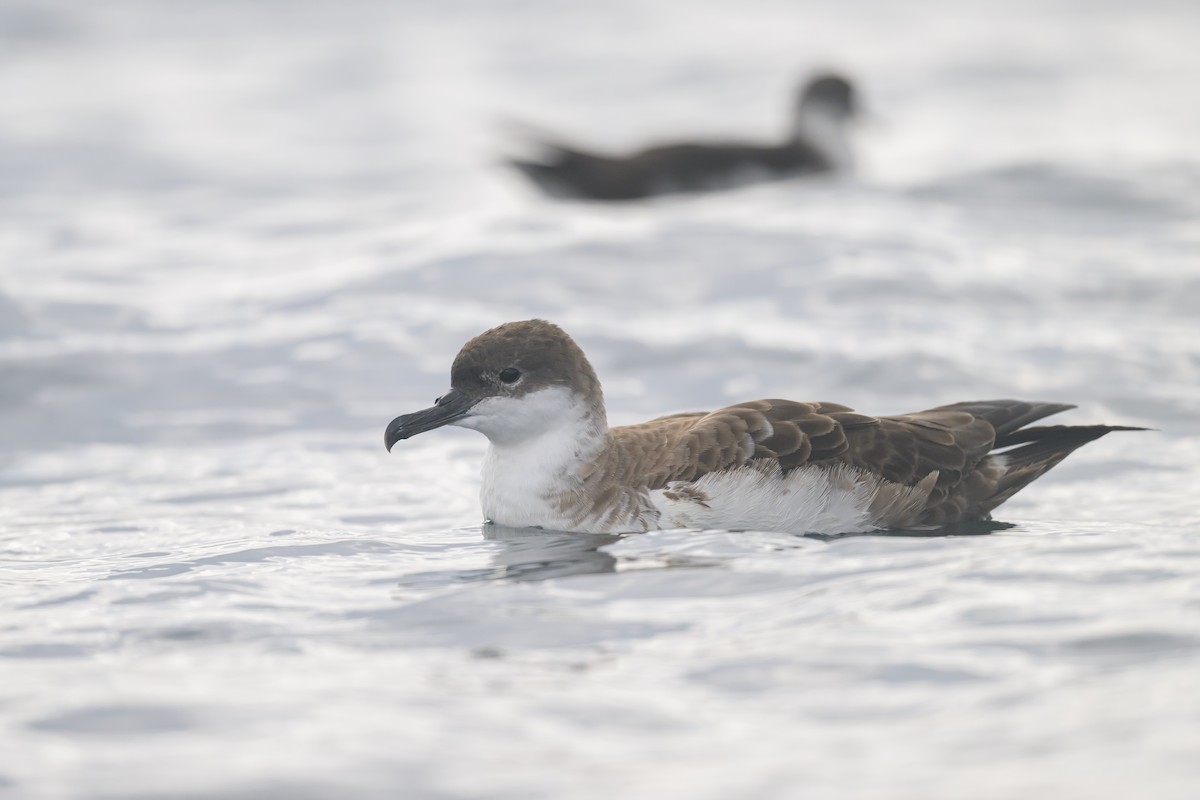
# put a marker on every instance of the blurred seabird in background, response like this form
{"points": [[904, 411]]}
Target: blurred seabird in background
{"points": [[816, 143]]}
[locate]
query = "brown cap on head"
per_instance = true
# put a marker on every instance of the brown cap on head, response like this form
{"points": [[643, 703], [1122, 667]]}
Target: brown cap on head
{"points": [[521, 357], [831, 91]]}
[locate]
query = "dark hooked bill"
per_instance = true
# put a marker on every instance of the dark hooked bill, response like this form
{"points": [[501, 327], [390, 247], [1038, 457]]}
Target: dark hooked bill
{"points": [[449, 407]]}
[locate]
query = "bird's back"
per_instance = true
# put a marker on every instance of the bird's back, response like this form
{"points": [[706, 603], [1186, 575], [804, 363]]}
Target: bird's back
{"points": [[667, 169]]}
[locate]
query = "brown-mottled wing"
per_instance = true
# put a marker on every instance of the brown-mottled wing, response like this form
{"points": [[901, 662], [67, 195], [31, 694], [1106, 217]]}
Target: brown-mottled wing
{"points": [[687, 446], [903, 449]]}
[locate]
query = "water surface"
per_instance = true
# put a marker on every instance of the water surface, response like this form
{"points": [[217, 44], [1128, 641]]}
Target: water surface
{"points": [[238, 238]]}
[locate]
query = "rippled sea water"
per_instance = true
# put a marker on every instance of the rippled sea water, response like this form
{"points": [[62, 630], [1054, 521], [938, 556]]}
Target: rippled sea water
{"points": [[237, 238]]}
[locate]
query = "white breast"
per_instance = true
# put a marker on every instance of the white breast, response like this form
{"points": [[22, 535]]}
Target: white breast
{"points": [[520, 485], [537, 443], [829, 135]]}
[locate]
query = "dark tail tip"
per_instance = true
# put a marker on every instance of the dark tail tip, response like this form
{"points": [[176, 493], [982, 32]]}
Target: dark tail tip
{"points": [[1053, 443], [1044, 447]]}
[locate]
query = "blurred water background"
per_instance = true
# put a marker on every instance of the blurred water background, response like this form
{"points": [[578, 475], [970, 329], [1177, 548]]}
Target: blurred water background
{"points": [[237, 238]]}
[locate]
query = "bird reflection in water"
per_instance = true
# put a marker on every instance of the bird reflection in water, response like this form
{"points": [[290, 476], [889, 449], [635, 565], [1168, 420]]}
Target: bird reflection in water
{"points": [[537, 554], [534, 554]]}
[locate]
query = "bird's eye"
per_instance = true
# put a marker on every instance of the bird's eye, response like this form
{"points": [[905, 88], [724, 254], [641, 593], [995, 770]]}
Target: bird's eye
{"points": [[510, 375]]}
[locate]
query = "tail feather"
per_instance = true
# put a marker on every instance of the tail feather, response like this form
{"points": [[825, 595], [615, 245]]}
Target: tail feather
{"points": [[533, 169], [1007, 416], [1038, 450], [547, 177], [562, 171], [1047, 440]]}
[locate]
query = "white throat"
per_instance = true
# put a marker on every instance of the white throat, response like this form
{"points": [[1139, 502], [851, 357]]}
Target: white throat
{"points": [[826, 130], [537, 443]]}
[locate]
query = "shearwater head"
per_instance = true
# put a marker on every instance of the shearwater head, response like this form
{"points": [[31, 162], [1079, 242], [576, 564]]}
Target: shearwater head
{"points": [[828, 94], [513, 383], [827, 104]]}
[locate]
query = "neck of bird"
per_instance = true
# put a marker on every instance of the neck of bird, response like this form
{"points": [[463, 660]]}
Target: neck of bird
{"points": [[558, 449], [825, 129]]}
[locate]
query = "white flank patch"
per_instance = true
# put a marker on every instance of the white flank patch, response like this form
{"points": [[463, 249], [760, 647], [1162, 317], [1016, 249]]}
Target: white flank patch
{"points": [[837, 499]]}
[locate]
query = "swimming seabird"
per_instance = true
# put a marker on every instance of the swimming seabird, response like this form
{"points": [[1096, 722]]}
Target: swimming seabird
{"points": [[782, 465], [816, 143]]}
